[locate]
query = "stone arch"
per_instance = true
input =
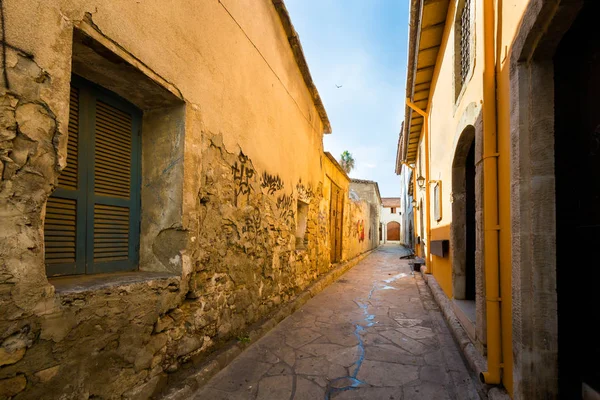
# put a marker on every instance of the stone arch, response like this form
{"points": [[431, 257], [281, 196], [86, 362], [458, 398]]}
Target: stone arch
{"points": [[533, 202], [459, 228], [393, 230], [468, 136]]}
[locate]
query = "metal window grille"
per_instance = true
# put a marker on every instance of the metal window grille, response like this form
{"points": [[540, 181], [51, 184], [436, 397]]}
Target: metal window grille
{"points": [[465, 39]]}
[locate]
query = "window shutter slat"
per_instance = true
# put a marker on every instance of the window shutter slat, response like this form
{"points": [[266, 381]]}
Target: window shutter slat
{"points": [[61, 225], [113, 177], [111, 222], [112, 172], [68, 177], [60, 231]]}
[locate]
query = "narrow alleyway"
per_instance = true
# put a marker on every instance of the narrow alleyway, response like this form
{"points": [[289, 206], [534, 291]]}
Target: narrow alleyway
{"points": [[374, 334]]}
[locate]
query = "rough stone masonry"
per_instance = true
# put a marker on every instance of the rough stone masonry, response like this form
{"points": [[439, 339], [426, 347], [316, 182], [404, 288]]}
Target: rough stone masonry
{"points": [[225, 265]]}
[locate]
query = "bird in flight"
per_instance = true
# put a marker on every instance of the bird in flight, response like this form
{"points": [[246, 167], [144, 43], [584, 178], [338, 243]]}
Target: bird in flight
{"points": [[338, 86]]}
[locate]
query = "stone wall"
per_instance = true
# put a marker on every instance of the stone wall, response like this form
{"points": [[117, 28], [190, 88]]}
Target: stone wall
{"points": [[220, 192]]}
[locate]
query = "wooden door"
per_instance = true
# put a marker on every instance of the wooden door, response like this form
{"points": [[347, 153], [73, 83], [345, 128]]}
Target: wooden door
{"points": [[393, 230], [335, 219], [577, 172]]}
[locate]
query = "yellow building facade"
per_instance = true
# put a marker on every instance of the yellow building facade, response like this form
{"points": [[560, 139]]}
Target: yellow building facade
{"points": [[488, 84]]}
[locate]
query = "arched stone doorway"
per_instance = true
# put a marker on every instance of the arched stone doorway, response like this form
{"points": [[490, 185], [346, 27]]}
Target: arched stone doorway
{"points": [[463, 229], [393, 231]]}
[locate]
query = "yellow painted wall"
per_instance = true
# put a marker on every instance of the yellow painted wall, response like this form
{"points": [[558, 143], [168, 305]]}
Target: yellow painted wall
{"points": [[332, 175], [356, 229], [447, 120], [253, 93], [443, 265]]}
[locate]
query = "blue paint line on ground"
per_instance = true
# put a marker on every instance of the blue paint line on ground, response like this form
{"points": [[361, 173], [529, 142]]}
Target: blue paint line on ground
{"points": [[355, 382]]}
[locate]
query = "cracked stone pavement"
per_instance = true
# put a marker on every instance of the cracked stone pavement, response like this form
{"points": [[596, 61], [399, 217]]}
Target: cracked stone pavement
{"points": [[376, 333]]}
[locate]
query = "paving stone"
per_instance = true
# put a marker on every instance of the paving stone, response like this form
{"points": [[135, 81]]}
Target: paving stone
{"points": [[319, 366], [297, 338], [406, 343], [426, 390], [375, 336], [239, 374], [275, 387], [420, 332], [433, 374], [308, 390], [390, 353], [370, 394], [280, 369], [379, 373]]}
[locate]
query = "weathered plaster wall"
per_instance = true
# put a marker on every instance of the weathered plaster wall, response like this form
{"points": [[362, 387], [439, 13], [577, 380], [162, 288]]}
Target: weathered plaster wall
{"points": [[356, 229], [407, 217], [220, 186], [332, 175], [369, 192]]}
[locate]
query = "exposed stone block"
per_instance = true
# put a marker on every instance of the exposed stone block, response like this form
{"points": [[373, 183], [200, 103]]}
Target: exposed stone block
{"points": [[11, 386]]}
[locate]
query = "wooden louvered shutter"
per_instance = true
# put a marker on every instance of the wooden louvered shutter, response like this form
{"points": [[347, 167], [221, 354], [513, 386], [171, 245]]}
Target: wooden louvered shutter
{"points": [[92, 218], [65, 218], [113, 214]]}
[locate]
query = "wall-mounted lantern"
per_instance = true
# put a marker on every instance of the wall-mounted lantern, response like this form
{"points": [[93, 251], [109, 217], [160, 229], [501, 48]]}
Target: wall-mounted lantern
{"points": [[421, 182]]}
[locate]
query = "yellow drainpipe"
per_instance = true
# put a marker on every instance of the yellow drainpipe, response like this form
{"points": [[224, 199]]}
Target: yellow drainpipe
{"points": [[425, 116], [490, 201]]}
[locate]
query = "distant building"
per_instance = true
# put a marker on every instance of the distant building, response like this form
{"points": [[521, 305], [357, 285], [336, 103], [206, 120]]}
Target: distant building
{"points": [[368, 229], [390, 220]]}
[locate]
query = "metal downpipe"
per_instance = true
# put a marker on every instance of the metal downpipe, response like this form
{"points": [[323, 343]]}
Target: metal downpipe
{"points": [[493, 374]]}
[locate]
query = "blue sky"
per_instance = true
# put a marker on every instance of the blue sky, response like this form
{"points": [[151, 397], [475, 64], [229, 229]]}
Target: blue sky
{"points": [[361, 45]]}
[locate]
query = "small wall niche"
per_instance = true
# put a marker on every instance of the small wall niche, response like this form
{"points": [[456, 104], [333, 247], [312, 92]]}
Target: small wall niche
{"points": [[301, 220]]}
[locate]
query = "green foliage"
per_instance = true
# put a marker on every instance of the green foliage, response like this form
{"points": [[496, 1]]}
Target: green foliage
{"points": [[244, 338], [347, 161]]}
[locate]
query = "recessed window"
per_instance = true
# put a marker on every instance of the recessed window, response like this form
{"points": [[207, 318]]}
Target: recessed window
{"points": [[393, 210], [301, 220], [465, 40], [437, 201], [92, 218], [463, 45]]}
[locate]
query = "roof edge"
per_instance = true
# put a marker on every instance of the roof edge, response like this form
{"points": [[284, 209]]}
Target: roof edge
{"points": [[336, 164], [416, 9], [296, 46], [355, 180]]}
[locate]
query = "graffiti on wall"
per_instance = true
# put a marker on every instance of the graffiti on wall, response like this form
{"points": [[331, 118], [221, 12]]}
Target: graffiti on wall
{"points": [[242, 173], [285, 205], [360, 230], [305, 192], [272, 183]]}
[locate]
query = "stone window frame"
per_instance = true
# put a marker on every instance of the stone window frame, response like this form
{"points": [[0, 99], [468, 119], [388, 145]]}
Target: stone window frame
{"points": [[459, 84], [533, 206], [103, 62]]}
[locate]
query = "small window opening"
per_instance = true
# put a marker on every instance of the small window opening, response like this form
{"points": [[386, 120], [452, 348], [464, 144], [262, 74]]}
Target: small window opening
{"points": [[465, 40], [301, 221], [462, 46], [393, 210]]}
